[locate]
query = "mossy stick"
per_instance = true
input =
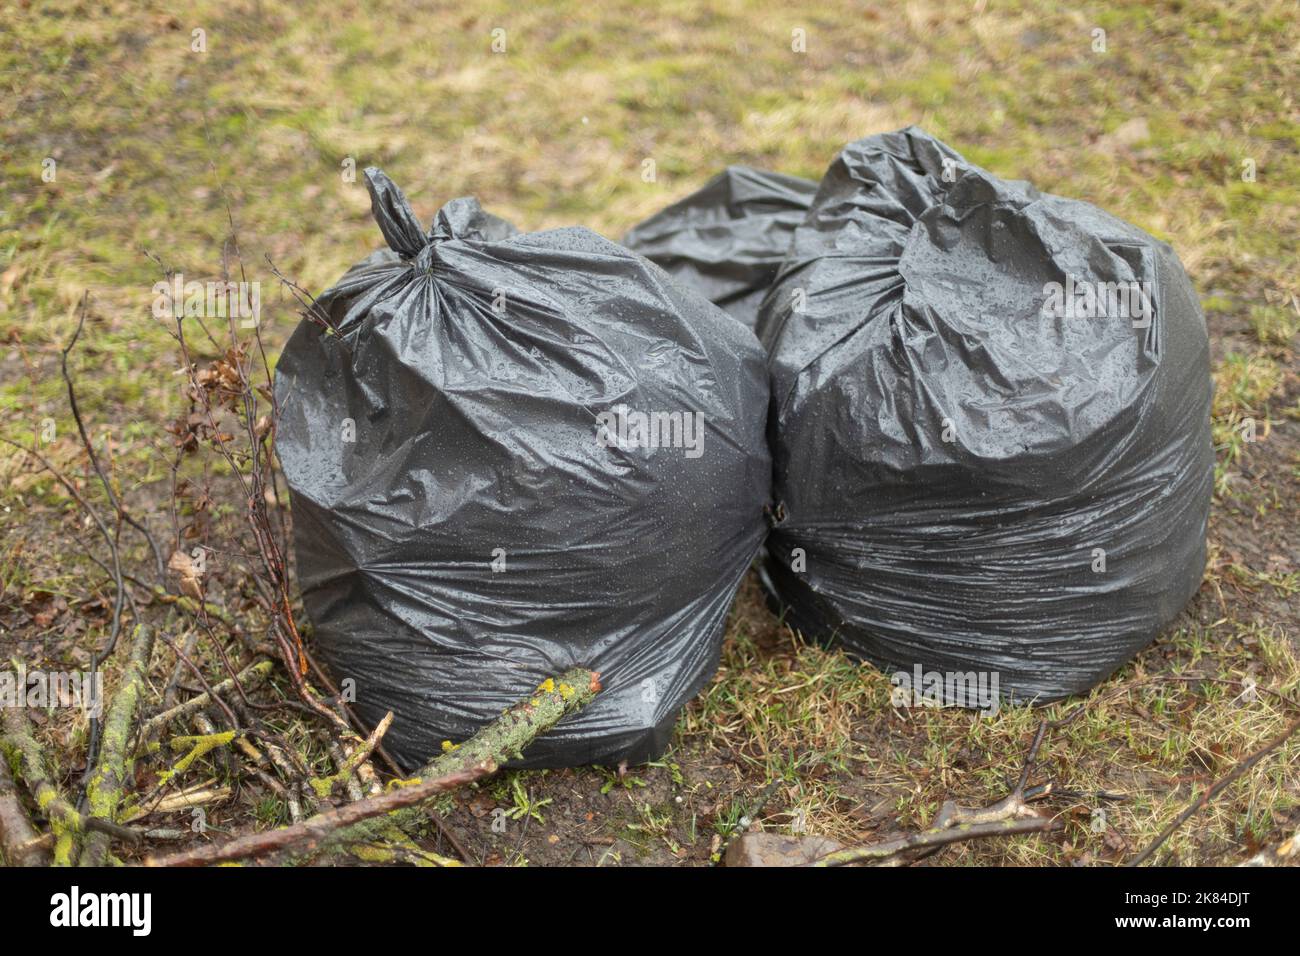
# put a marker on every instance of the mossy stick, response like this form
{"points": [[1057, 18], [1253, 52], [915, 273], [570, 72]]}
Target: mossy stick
{"points": [[67, 825], [107, 784], [374, 818]]}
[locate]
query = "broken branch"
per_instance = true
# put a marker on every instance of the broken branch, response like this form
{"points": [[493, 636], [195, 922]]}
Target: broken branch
{"points": [[19, 844], [374, 817], [1219, 786], [104, 793], [154, 725], [937, 837]]}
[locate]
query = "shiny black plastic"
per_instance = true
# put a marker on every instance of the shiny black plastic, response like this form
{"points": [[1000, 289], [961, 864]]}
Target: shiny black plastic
{"points": [[976, 474], [728, 238], [472, 510]]}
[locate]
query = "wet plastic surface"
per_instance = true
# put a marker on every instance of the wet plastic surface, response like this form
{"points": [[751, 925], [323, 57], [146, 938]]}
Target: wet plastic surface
{"points": [[467, 523], [728, 238], [978, 475]]}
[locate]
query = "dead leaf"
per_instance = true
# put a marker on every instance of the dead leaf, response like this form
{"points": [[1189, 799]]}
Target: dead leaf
{"points": [[183, 565]]}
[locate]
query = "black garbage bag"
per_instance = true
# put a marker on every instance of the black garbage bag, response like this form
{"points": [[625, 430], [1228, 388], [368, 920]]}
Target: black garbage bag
{"points": [[990, 426], [514, 455], [728, 238]]}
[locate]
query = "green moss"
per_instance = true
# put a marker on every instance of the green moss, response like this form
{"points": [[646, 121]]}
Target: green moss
{"points": [[199, 746]]}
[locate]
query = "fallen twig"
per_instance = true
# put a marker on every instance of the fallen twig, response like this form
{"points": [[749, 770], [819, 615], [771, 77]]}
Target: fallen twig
{"points": [[67, 823], [1010, 816], [371, 819], [312, 833], [936, 837], [199, 795], [105, 789], [747, 818], [348, 765], [1219, 786], [251, 674], [19, 843]]}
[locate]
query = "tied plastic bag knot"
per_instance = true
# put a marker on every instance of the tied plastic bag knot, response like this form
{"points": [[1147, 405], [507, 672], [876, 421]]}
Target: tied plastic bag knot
{"points": [[461, 218], [396, 220], [423, 261]]}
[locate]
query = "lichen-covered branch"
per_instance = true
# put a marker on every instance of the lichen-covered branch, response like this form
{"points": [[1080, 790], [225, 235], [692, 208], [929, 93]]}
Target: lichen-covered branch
{"points": [[67, 825], [509, 735], [105, 790], [375, 819], [500, 741], [198, 747], [19, 843], [314, 833], [348, 765], [251, 674]]}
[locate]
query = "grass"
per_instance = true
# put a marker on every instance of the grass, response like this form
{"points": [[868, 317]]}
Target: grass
{"points": [[151, 141], [1147, 741], [1244, 386], [1274, 325]]}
